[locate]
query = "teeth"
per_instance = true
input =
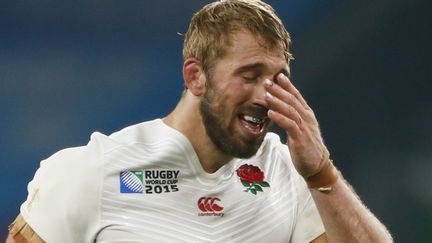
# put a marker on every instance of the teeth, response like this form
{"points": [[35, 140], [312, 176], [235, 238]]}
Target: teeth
{"points": [[253, 119]]}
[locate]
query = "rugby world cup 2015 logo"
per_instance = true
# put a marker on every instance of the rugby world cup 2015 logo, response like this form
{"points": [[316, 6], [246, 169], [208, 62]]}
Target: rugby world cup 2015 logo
{"points": [[131, 182]]}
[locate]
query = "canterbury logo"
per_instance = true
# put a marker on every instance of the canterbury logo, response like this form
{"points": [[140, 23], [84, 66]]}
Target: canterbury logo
{"points": [[209, 204]]}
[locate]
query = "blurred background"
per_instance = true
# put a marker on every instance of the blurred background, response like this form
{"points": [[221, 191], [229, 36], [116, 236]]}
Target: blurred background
{"points": [[68, 68]]}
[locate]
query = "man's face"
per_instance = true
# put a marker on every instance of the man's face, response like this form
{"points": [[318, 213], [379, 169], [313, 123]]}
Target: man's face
{"points": [[233, 108]]}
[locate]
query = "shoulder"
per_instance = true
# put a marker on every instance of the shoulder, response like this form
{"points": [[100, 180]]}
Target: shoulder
{"points": [[79, 166], [145, 132], [64, 196], [277, 158], [147, 139], [274, 156], [273, 147]]}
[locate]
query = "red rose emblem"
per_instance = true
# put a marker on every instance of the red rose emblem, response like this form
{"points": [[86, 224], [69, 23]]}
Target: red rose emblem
{"points": [[252, 177], [250, 173]]}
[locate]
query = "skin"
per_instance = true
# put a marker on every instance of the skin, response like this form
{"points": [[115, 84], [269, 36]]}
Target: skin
{"points": [[264, 86]]}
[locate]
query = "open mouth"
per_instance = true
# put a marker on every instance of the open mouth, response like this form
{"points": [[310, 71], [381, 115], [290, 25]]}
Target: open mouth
{"points": [[253, 124]]}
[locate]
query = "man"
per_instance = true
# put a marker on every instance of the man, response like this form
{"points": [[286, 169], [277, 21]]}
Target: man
{"points": [[209, 171]]}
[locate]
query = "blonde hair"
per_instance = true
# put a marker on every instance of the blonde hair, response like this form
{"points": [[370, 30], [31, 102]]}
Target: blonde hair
{"points": [[211, 28]]}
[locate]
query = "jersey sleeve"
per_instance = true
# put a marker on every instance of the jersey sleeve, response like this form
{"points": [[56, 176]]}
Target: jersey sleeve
{"points": [[63, 203]]}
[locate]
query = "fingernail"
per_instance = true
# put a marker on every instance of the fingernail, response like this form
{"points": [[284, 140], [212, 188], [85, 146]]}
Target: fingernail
{"points": [[268, 95], [268, 82], [270, 112], [283, 76]]}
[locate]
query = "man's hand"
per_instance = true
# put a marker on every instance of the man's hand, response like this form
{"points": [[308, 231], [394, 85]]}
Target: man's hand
{"points": [[345, 218], [290, 111]]}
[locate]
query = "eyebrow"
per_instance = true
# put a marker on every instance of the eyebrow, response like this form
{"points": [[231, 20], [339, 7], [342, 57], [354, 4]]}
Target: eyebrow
{"points": [[260, 67]]}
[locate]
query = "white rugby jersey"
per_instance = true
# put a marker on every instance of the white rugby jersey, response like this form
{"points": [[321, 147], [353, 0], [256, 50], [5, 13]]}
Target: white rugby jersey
{"points": [[146, 184]]}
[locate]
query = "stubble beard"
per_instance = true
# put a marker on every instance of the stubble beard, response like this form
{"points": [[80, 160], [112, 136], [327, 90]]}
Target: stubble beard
{"points": [[225, 138]]}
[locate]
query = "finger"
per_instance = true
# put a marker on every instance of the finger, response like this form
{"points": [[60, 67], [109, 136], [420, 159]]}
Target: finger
{"points": [[289, 125], [283, 108], [286, 84], [282, 94]]}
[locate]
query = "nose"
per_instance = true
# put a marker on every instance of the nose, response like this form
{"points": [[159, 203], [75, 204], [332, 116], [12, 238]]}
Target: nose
{"points": [[259, 94]]}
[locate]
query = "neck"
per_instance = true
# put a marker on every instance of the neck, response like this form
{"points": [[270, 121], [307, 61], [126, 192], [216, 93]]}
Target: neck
{"points": [[186, 118]]}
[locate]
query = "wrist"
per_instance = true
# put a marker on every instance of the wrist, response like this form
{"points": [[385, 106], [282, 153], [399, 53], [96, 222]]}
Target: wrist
{"points": [[324, 179]]}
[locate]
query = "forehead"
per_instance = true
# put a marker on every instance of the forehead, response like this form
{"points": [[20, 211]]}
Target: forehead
{"points": [[246, 48]]}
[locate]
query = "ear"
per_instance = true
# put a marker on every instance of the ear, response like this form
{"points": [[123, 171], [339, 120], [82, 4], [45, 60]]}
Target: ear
{"points": [[194, 77]]}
